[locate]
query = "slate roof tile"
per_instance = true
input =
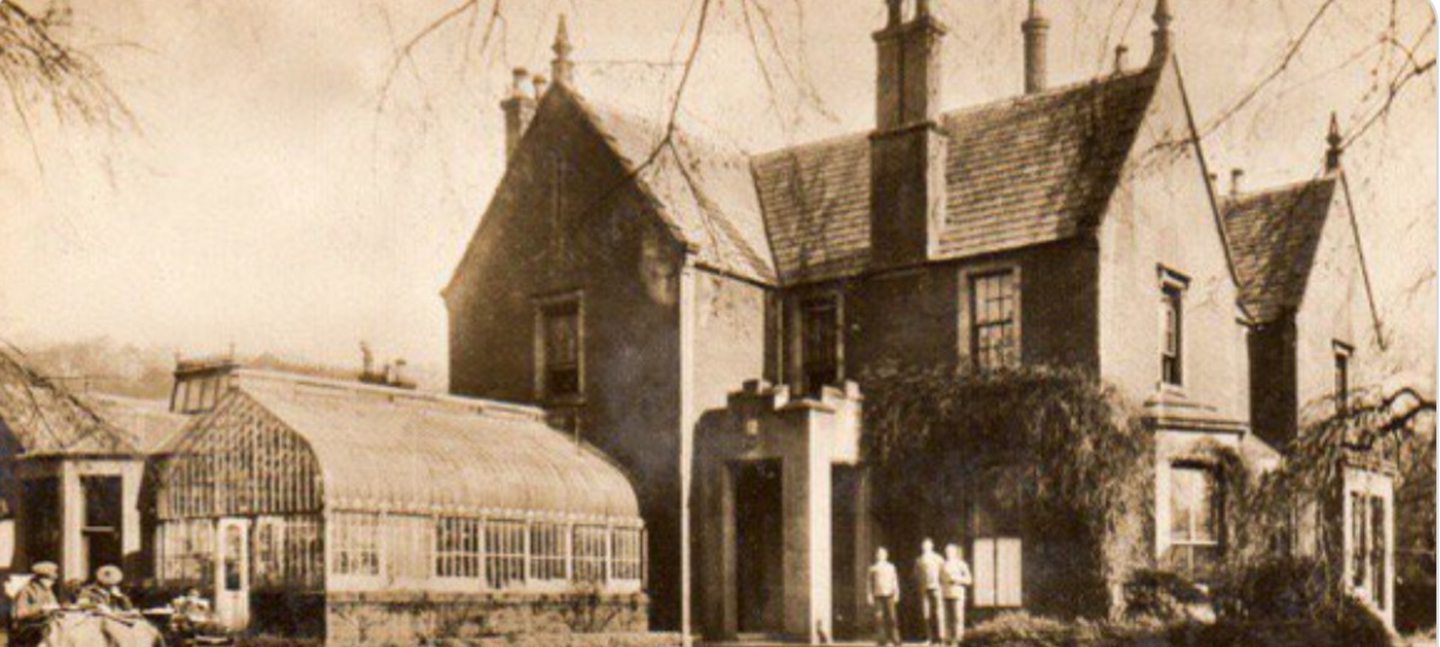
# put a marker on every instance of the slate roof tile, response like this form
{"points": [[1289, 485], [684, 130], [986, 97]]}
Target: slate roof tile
{"points": [[1273, 237], [1022, 171]]}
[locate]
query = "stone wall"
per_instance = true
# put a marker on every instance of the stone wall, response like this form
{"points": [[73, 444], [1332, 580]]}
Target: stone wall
{"points": [[609, 249], [409, 618]]}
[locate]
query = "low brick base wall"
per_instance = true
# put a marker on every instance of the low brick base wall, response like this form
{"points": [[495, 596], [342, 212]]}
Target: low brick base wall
{"points": [[410, 618]]}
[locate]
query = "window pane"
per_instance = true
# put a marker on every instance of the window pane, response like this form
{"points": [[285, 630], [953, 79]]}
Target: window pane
{"points": [[560, 331], [819, 350], [1194, 505], [993, 308], [1173, 343]]}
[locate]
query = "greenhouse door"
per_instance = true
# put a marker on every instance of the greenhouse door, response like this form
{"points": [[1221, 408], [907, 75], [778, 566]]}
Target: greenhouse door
{"points": [[232, 573]]}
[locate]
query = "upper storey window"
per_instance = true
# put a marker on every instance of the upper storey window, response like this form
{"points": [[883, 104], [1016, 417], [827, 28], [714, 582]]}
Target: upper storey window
{"points": [[1172, 343], [1342, 377], [994, 321], [820, 342], [560, 346]]}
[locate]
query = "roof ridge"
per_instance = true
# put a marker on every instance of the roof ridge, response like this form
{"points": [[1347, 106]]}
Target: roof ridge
{"points": [[1006, 101], [440, 402]]}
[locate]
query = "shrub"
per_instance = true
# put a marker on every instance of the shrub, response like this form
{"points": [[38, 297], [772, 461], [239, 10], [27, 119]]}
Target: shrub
{"points": [[1286, 601], [1284, 589], [1024, 630], [1019, 630], [1161, 596]]}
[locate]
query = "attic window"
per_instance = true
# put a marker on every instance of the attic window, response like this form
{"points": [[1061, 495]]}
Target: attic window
{"points": [[1172, 312], [1342, 377], [561, 337]]}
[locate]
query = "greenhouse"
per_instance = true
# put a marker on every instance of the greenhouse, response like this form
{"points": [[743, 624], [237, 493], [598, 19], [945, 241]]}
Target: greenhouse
{"points": [[351, 494]]}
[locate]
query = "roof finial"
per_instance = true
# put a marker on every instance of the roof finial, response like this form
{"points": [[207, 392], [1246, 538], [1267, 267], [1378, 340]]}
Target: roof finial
{"points": [[562, 67], [1034, 10], [1163, 44], [1332, 155]]}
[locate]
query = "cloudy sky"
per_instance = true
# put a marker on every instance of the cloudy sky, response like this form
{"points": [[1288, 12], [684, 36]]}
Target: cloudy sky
{"points": [[281, 196]]}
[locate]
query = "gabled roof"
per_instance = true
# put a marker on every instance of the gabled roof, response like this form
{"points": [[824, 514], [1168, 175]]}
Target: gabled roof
{"points": [[45, 419], [1273, 236], [149, 422], [394, 450], [1022, 171], [703, 191]]}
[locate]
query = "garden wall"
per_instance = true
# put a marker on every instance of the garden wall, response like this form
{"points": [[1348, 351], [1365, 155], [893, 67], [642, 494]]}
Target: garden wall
{"points": [[409, 618]]}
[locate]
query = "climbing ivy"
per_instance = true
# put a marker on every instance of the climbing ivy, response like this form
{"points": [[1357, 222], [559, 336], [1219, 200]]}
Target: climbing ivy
{"points": [[1060, 453]]}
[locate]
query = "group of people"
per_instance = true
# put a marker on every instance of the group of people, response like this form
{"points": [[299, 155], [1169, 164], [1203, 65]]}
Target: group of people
{"points": [[941, 583], [37, 602]]}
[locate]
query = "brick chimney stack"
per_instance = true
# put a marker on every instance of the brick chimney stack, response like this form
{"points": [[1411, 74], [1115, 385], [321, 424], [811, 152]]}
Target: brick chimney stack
{"points": [[519, 108], [1164, 41], [1334, 151], [907, 149], [1036, 29]]}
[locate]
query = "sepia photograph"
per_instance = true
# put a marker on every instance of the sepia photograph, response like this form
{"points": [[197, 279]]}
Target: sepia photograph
{"points": [[726, 323]]}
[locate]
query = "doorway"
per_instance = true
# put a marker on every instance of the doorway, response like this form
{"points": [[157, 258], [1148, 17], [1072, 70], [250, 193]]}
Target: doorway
{"points": [[759, 548], [232, 573]]}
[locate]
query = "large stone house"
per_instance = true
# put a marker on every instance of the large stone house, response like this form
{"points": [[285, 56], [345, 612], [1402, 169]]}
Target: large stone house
{"points": [[641, 283]]}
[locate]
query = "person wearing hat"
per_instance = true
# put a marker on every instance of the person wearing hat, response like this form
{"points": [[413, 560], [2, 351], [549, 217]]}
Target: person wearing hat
{"points": [[35, 603], [104, 593]]}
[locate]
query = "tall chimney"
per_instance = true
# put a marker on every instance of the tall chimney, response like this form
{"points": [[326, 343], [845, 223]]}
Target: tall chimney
{"points": [[1334, 151], [561, 67], [1164, 43], [519, 107], [907, 149], [1035, 28]]}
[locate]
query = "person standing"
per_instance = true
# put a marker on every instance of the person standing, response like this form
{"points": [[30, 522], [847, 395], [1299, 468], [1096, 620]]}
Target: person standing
{"points": [[954, 577], [35, 603], [927, 574], [882, 591]]}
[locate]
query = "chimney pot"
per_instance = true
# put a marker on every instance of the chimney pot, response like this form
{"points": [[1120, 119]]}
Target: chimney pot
{"points": [[1035, 28], [540, 83], [1236, 175], [1120, 55], [518, 109], [517, 84]]}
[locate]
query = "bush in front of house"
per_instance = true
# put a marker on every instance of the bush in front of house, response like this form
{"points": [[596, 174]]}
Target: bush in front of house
{"points": [[1285, 601], [1024, 630], [1162, 597], [1348, 623]]}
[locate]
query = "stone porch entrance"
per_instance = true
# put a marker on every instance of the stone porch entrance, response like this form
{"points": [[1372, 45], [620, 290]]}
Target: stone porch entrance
{"points": [[782, 521]]}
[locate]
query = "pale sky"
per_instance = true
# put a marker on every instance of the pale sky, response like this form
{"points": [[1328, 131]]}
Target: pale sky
{"points": [[267, 202]]}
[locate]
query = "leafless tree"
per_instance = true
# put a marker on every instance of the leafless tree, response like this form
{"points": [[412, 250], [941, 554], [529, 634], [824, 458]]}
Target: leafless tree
{"points": [[41, 70]]}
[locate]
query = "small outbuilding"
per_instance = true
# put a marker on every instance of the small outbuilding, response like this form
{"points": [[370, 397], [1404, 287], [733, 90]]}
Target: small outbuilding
{"points": [[366, 513]]}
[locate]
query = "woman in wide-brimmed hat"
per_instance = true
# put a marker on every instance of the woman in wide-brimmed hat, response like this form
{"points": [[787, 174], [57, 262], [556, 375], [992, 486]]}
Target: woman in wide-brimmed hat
{"points": [[104, 593]]}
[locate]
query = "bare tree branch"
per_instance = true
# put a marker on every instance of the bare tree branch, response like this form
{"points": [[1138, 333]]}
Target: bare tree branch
{"points": [[39, 68]]}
